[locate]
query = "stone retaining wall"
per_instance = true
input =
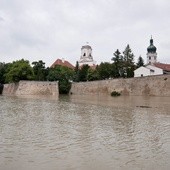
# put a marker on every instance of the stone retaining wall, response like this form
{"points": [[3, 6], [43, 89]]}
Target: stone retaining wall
{"points": [[142, 86], [31, 88]]}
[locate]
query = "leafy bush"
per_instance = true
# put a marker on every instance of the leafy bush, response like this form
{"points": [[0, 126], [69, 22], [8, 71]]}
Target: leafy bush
{"points": [[115, 93], [64, 86], [1, 88]]}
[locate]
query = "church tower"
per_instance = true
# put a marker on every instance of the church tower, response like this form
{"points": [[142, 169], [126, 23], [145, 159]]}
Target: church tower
{"points": [[86, 56], [151, 53]]}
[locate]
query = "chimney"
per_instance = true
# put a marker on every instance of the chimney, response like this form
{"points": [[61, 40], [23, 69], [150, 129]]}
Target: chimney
{"points": [[63, 60]]}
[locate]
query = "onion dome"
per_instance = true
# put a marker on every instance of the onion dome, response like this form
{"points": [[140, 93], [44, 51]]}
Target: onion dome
{"points": [[151, 48]]}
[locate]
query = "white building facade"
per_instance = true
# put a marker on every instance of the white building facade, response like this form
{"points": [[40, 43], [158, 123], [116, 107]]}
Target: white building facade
{"points": [[86, 56], [149, 69]]}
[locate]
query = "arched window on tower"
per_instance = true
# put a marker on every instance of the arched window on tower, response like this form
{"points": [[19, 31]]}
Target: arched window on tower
{"points": [[84, 54]]}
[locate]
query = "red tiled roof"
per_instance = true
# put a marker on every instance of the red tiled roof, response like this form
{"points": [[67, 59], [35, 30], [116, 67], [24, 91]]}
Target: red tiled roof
{"points": [[62, 63], [163, 66]]}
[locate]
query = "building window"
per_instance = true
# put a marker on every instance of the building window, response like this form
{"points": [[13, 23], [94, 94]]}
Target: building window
{"points": [[84, 54], [149, 58], [141, 75]]}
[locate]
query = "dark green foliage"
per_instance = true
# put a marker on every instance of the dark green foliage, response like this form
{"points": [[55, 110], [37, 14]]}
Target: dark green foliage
{"points": [[92, 75], [62, 74], [39, 70], [128, 62], [115, 93], [83, 73], [140, 62], [1, 88], [64, 86], [2, 72], [104, 70], [19, 70], [128, 56], [76, 77], [118, 64], [59, 73]]}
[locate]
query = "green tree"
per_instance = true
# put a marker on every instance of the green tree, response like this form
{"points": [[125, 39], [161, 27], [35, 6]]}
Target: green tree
{"points": [[128, 62], [76, 77], [39, 70], [19, 70], [104, 70], [2, 73], [118, 64], [83, 72], [62, 74], [140, 62], [92, 74]]}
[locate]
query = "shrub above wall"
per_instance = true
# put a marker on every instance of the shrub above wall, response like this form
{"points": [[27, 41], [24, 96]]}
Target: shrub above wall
{"points": [[1, 88]]}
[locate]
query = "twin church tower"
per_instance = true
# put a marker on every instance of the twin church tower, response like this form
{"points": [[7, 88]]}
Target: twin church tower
{"points": [[87, 58]]}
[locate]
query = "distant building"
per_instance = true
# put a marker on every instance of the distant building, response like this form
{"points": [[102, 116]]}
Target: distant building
{"points": [[86, 56], [148, 70], [62, 62], [164, 67], [152, 67]]}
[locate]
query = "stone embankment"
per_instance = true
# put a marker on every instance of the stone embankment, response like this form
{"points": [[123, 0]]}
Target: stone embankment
{"points": [[141, 86], [31, 88]]}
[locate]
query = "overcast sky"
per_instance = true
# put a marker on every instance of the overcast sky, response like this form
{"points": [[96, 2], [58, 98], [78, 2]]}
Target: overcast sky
{"points": [[51, 29]]}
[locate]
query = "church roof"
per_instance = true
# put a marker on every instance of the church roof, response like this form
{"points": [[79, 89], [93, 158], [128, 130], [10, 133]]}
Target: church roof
{"points": [[86, 46], [165, 67], [62, 63]]}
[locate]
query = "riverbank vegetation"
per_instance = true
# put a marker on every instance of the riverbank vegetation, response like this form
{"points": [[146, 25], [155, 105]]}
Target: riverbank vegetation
{"points": [[115, 94], [122, 66]]}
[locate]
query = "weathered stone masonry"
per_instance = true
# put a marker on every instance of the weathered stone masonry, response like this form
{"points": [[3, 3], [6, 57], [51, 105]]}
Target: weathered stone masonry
{"points": [[141, 86], [31, 88]]}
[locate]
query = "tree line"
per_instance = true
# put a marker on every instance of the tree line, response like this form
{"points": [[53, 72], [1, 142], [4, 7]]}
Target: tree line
{"points": [[122, 66]]}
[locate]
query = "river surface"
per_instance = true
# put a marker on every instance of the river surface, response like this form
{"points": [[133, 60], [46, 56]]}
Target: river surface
{"points": [[84, 133]]}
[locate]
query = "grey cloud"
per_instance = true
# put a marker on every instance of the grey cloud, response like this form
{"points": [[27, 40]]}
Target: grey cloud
{"points": [[1, 19], [58, 28]]}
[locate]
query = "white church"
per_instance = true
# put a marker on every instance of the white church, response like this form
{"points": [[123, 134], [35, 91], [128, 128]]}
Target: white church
{"points": [[86, 56], [152, 67]]}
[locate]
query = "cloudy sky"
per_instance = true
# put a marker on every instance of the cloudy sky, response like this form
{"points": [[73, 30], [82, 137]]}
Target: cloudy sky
{"points": [[50, 29]]}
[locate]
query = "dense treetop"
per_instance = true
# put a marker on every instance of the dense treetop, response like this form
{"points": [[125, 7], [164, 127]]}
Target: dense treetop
{"points": [[122, 66]]}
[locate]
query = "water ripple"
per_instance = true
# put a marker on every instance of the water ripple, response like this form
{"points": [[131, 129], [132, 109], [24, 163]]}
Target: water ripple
{"points": [[69, 134]]}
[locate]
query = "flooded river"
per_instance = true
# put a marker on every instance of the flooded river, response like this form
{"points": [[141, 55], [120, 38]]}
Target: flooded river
{"points": [[85, 133]]}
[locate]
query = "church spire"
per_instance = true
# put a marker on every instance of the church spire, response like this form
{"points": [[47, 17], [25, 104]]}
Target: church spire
{"points": [[151, 41], [151, 55], [151, 48]]}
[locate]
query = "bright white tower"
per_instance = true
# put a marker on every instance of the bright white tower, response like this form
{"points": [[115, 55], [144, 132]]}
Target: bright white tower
{"points": [[86, 56]]}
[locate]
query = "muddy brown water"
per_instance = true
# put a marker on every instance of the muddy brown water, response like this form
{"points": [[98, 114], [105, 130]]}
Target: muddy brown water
{"points": [[84, 133]]}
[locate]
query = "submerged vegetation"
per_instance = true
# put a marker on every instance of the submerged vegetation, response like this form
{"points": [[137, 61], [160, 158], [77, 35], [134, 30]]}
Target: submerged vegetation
{"points": [[1, 88], [115, 93]]}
